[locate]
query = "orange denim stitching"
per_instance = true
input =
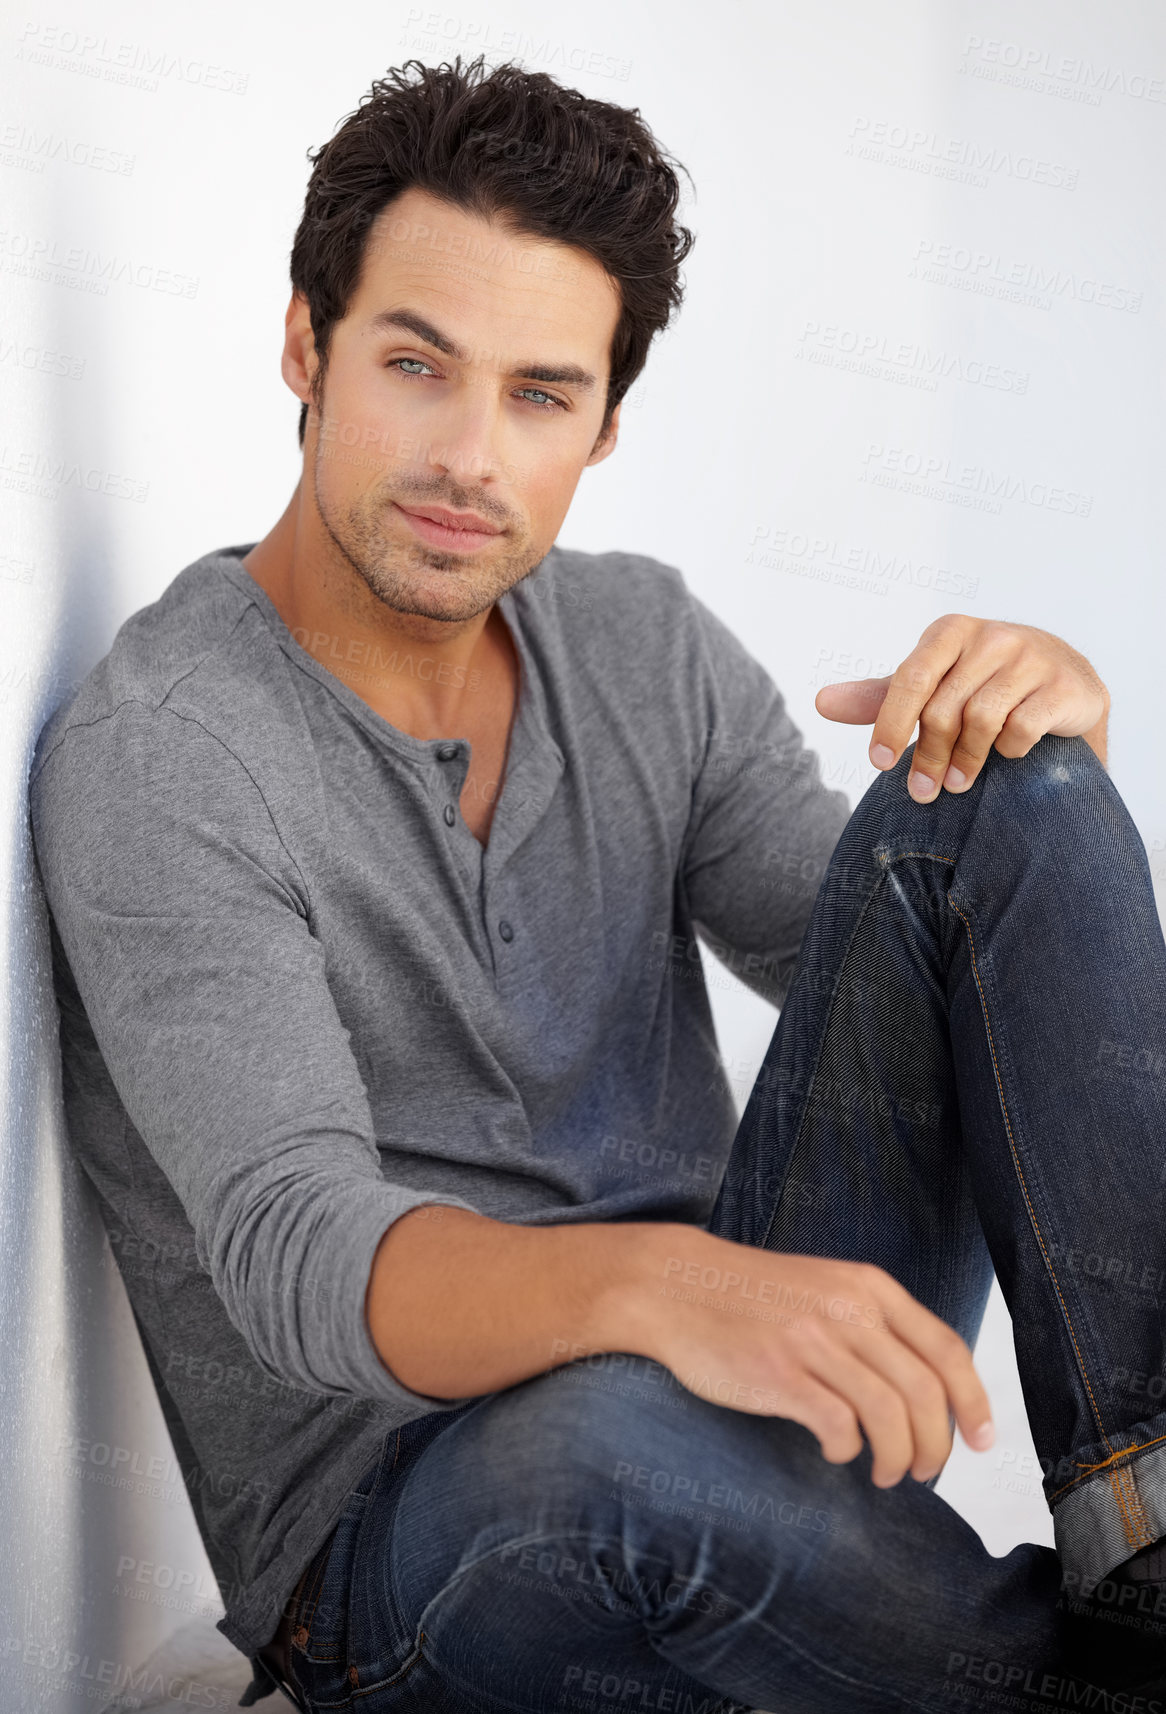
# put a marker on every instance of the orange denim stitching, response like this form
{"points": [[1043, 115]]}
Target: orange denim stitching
{"points": [[1117, 1483], [1132, 1533], [1141, 1529], [1129, 1485], [1090, 1469], [1134, 1501]]}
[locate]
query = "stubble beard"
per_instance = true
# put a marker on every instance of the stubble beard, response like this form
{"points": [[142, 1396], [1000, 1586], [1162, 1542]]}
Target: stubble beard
{"points": [[397, 572]]}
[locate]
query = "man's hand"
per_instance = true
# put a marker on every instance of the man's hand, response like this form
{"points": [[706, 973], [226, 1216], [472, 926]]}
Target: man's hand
{"points": [[836, 1346], [972, 684]]}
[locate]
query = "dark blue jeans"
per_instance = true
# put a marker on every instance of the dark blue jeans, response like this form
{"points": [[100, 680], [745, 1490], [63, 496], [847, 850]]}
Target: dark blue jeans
{"points": [[968, 1075]]}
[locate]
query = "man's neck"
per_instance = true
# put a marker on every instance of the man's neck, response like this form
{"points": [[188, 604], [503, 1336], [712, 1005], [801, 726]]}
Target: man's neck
{"points": [[415, 671]]}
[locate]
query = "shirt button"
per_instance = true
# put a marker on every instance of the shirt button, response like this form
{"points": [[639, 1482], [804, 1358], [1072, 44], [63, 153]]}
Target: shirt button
{"points": [[505, 930], [447, 753], [450, 814]]}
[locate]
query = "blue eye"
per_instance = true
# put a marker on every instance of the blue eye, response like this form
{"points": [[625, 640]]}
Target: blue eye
{"points": [[552, 403]]}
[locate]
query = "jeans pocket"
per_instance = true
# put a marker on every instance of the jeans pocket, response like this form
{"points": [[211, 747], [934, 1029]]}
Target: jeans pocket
{"points": [[319, 1637]]}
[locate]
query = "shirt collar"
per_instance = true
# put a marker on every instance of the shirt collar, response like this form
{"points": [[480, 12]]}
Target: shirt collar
{"points": [[534, 760]]}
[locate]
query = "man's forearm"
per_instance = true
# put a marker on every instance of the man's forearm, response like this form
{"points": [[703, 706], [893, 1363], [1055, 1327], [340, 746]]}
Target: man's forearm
{"points": [[460, 1305]]}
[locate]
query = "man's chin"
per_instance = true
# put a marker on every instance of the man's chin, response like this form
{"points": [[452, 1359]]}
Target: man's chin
{"points": [[444, 594]]}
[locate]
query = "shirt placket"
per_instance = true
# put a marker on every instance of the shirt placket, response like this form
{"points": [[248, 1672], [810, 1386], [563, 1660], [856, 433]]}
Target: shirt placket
{"points": [[534, 764]]}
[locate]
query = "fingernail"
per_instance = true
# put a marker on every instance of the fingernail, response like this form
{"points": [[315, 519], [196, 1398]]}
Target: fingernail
{"points": [[921, 786], [881, 755], [955, 780], [981, 1438]]}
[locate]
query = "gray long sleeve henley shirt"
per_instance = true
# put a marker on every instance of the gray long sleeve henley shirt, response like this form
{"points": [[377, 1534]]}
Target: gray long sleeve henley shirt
{"points": [[298, 997]]}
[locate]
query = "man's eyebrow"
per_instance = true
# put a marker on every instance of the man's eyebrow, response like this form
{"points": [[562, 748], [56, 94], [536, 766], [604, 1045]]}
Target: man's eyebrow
{"points": [[558, 374]]}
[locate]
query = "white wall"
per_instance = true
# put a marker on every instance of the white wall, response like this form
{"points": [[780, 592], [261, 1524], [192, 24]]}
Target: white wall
{"points": [[872, 184]]}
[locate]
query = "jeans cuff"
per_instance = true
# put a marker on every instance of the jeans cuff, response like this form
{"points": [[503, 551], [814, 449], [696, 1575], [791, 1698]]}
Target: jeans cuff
{"points": [[1116, 1506]]}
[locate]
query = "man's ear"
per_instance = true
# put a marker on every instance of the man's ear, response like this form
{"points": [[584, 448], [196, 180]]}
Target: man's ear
{"points": [[603, 447], [299, 361]]}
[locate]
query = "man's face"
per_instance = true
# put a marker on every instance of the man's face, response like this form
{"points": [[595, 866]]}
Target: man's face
{"points": [[500, 422]]}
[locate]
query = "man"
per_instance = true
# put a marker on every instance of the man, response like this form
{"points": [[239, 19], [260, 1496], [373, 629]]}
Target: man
{"points": [[505, 1369]]}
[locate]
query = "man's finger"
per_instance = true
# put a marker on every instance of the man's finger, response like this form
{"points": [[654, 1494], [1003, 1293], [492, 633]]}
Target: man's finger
{"points": [[828, 1416], [985, 683], [912, 685], [921, 1389], [940, 723], [973, 700], [855, 702], [947, 1353], [1028, 721], [879, 1406], [985, 714]]}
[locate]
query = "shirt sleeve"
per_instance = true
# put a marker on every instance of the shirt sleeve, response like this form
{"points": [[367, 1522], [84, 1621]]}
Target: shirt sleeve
{"points": [[185, 922], [763, 822]]}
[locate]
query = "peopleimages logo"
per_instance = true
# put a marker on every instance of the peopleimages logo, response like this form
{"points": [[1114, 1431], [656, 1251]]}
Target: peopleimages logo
{"points": [[82, 269], [806, 553], [22, 146], [902, 361], [36, 471], [1065, 75], [937, 477], [1018, 281], [133, 64], [973, 163], [1010, 1676]]}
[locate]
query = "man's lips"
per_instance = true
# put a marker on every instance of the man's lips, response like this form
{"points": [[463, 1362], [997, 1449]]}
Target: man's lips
{"points": [[466, 530]]}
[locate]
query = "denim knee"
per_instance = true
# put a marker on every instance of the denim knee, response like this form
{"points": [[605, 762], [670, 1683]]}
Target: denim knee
{"points": [[1057, 771]]}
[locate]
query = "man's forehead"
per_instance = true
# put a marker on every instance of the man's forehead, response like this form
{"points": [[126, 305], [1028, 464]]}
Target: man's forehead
{"points": [[447, 268], [438, 238]]}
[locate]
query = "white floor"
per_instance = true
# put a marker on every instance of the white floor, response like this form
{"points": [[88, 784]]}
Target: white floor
{"points": [[998, 1492], [210, 1670]]}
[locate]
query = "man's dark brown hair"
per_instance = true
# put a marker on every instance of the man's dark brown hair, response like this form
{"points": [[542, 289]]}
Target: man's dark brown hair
{"points": [[511, 146]]}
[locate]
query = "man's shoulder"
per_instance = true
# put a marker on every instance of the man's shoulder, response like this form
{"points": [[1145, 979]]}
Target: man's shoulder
{"points": [[631, 619], [614, 600], [619, 576], [192, 652]]}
